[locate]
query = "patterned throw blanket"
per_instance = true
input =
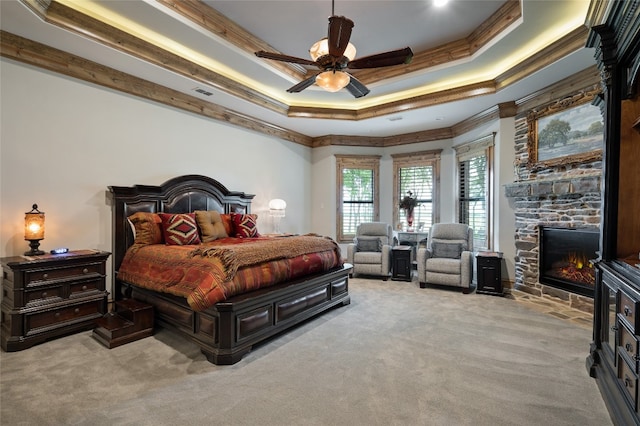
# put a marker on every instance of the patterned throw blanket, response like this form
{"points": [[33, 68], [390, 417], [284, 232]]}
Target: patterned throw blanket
{"points": [[235, 256]]}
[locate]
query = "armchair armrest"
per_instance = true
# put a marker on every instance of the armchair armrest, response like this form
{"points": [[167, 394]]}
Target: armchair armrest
{"points": [[351, 249], [421, 259], [386, 259], [466, 268], [423, 254]]}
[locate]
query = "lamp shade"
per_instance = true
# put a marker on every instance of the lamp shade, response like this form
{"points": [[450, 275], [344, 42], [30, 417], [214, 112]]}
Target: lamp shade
{"points": [[277, 207], [34, 224], [321, 48], [332, 81]]}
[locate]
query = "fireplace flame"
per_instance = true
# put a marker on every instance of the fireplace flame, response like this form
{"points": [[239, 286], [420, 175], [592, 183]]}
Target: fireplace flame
{"points": [[577, 260], [576, 267]]}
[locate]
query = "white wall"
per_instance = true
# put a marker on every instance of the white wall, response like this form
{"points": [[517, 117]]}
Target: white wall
{"points": [[503, 215], [63, 142]]}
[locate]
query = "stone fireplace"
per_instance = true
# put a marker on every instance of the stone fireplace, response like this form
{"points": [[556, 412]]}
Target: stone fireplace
{"points": [[563, 197]]}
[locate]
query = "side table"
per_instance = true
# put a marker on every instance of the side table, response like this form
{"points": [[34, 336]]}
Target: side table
{"points": [[489, 272], [402, 263], [412, 238], [48, 296]]}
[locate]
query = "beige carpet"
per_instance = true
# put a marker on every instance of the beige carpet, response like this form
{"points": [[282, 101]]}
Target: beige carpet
{"points": [[398, 355]]}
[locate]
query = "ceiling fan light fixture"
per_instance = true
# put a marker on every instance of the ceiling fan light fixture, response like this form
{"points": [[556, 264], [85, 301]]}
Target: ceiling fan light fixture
{"points": [[321, 48], [332, 81]]}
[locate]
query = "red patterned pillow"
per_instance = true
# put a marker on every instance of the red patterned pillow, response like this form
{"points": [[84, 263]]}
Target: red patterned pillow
{"points": [[180, 229], [245, 225]]}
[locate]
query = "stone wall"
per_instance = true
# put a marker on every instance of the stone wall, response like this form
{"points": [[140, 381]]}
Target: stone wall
{"points": [[565, 196]]}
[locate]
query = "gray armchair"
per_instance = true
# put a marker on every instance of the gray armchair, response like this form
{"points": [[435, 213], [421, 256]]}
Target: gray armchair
{"points": [[370, 252], [448, 257]]}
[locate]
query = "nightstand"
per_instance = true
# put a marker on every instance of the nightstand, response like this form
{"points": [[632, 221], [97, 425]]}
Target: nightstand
{"points": [[402, 263], [413, 239], [48, 296], [489, 272]]}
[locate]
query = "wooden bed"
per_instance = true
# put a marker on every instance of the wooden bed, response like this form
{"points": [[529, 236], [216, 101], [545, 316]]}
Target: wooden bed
{"points": [[229, 329]]}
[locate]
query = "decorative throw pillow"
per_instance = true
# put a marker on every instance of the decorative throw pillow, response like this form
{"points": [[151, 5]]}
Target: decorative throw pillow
{"points": [[210, 224], [180, 229], [228, 224], [245, 225], [448, 250], [368, 245], [147, 227]]}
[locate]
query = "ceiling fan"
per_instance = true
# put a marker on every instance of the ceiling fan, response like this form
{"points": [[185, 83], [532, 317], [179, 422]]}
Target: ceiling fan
{"points": [[333, 54]]}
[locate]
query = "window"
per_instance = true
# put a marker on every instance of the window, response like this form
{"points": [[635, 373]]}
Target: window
{"points": [[474, 189], [419, 173], [358, 181]]}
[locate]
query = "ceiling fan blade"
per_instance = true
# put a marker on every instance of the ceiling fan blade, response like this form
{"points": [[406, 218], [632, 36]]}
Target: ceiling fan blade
{"points": [[284, 58], [338, 35], [356, 88], [302, 85], [386, 59]]}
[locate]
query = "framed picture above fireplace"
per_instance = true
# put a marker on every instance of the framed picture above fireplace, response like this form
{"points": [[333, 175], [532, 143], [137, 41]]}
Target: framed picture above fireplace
{"points": [[568, 131]]}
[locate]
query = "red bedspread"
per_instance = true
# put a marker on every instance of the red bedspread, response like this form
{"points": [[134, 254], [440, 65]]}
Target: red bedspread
{"points": [[209, 273]]}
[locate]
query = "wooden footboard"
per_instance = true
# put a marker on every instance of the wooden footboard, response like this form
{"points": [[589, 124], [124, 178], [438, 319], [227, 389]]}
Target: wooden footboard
{"points": [[228, 330]]}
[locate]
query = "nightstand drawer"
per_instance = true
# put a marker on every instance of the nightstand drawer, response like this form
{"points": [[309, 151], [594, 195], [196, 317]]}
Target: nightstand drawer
{"points": [[83, 288], [42, 295], [488, 261], [37, 277], [43, 321]]}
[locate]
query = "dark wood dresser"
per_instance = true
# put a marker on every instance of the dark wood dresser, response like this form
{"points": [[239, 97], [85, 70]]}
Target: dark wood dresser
{"points": [[614, 359], [48, 296]]}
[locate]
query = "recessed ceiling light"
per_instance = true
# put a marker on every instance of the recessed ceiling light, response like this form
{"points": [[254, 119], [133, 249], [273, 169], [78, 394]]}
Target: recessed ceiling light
{"points": [[440, 3]]}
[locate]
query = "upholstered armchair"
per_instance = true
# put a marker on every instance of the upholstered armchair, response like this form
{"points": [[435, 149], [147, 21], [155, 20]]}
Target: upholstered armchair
{"points": [[370, 252], [448, 257]]}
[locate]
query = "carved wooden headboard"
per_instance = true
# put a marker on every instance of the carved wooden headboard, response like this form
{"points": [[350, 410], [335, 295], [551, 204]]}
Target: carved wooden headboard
{"points": [[183, 194]]}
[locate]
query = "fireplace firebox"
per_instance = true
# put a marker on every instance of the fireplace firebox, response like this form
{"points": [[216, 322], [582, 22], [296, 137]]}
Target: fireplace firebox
{"points": [[565, 258]]}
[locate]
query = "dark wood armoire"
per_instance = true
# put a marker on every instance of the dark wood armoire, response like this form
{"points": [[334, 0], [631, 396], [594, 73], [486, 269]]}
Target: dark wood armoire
{"points": [[614, 358]]}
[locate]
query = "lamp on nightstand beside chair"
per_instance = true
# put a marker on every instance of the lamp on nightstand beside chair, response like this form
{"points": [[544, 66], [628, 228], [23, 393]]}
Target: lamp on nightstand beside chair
{"points": [[277, 209]]}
